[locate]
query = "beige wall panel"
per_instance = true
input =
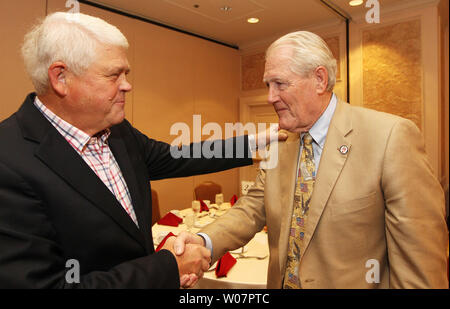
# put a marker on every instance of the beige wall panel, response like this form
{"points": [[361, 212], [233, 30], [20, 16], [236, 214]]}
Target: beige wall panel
{"points": [[443, 11], [392, 70], [424, 51], [163, 96], [253, 71], [334, 45], [16, 18], [124, 24], [216, 92], [179, 76]]}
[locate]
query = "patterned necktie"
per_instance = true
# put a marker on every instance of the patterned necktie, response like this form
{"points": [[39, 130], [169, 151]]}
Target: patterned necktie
{"points": [[302, 197]]}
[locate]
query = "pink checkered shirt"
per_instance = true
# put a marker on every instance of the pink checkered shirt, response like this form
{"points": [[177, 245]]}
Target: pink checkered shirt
{"points": [[97, 154]]}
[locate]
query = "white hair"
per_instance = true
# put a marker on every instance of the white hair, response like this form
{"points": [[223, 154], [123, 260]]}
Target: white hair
{"points": [[67, 37], [309, 52]]}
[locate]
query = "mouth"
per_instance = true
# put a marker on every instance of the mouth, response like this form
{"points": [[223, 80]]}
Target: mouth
{"points": [[281, 109]]}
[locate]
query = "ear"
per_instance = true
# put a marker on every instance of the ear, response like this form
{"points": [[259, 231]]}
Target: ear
{"points": [[57, 74], [321, 77]]}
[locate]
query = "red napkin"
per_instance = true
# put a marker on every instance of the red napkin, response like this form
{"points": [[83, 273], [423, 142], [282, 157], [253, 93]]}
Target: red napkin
{"points": [[164, 241], [233, 200], [203, 206], [224, 264], [170, 219]]}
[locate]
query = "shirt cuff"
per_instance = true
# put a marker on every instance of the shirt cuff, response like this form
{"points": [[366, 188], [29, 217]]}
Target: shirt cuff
{"points": [[208, 242], [252, 143]]}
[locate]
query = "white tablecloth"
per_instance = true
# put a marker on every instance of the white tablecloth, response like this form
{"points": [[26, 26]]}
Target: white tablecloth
{"points": [[247, 273]]}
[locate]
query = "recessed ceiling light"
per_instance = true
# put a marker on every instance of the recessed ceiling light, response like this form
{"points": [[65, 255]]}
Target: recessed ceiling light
{"points": [[356, 2], [226, 8], [253, 20]]}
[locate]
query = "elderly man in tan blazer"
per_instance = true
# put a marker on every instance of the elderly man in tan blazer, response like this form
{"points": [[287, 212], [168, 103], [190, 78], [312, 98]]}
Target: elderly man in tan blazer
{"points": [[374, 216]]}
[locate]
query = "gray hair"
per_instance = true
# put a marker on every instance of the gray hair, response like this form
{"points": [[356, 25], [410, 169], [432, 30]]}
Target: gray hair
{"points": [[67, 37], [309, 52]]}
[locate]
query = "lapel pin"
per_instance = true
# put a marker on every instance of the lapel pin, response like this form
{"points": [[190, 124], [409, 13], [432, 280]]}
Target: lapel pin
{"points": [[343, 150]]}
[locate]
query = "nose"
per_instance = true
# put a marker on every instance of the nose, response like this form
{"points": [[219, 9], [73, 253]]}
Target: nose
{"points": [[273, 95], [125, 85]]}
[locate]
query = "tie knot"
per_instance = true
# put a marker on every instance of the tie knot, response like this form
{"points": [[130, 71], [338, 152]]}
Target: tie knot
{"points": [[307, 139]]}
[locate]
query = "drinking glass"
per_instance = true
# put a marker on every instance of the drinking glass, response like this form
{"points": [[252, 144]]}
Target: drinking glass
{"points": [[189, 219], [196, 207], [219, 199]]}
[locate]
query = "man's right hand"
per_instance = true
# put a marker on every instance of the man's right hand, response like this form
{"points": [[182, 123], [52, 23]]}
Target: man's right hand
{"points": [[193, 260]]}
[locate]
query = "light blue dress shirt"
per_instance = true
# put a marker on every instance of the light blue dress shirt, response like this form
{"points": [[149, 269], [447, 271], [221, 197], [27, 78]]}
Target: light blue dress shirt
{"points": [[319, 131], [319, 134]]}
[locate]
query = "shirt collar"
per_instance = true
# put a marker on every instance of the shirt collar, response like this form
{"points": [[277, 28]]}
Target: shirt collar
{"points": [[320, 128], [76, 137]]}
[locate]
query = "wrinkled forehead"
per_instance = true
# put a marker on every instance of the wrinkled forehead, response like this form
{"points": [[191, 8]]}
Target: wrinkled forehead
{"points": [[109, 56], [278, 63]]}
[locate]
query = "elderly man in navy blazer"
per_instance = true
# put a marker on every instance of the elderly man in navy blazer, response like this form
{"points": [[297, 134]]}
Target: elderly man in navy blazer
{"points": [[74, 174]]}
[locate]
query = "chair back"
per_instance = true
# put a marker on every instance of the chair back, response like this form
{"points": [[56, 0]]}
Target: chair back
{"points": [[156, 214], [207, 191]]}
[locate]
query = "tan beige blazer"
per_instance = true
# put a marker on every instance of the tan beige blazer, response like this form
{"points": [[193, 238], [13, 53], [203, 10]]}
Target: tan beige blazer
{"points": [[376, 207]]}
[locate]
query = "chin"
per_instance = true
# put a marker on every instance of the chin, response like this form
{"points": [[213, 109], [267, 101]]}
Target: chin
{"points": [[285, 125], [118, 119], [289, 127]]}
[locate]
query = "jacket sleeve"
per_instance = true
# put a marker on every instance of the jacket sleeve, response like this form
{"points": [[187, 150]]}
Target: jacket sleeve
{"points": [[240, 224], [31, 257], [166, 161], [416, 232]]}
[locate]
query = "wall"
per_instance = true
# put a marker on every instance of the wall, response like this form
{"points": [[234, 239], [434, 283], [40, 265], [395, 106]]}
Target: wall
{"points": [[16, 17], [443, 11], [173, 75], [395, 68]]}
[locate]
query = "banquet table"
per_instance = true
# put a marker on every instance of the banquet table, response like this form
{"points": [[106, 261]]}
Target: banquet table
{"points": [[250, 270]]}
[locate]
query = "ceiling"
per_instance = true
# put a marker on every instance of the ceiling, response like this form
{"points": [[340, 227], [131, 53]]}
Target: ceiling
{"points": [[207, 19]]}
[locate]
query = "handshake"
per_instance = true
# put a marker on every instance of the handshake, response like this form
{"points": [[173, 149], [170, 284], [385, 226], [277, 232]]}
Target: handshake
{"points": [[192, 257]]}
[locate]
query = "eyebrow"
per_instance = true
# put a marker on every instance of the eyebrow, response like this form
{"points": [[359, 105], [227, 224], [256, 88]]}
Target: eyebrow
{"points": [[274, 79], [117, 70]]}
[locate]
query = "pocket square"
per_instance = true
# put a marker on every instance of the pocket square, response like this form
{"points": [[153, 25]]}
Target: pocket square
{"points": [[224, 264], [170, 219]]}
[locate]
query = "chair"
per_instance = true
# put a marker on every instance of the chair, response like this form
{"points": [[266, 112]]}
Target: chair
{"points": [[207, 191], [156, 215]]}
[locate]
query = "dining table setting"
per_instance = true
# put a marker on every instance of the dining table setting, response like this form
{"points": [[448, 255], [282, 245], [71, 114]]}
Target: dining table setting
{"points": [[243, 268]]}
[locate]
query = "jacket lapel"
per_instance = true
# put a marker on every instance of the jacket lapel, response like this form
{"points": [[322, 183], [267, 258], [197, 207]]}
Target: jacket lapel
{"points": [[129, 173], [60, 157], [331, 163]]}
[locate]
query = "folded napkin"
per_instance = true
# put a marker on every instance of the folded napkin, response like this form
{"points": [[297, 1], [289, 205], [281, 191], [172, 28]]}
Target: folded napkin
{"points": [[164, 241], [233, 200], [170, 219], [203, 206], [224, 264]]}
